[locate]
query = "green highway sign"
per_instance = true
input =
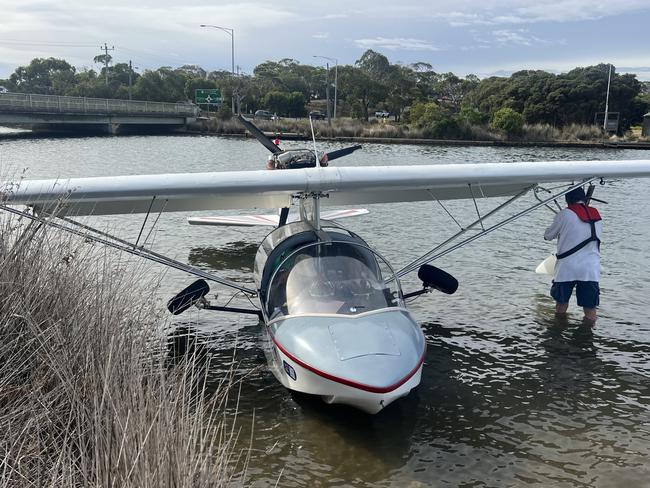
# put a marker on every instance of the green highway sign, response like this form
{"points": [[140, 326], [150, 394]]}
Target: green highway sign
{"points": [[208, 95]]}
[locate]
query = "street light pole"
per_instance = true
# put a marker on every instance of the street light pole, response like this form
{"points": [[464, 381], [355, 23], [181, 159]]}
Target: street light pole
{"points": [[336, 79], [327, 92], [609, 79], [231, 33]]}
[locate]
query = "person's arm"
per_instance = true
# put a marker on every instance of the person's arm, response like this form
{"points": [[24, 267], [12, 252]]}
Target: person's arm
{"points": [[553, 230]]}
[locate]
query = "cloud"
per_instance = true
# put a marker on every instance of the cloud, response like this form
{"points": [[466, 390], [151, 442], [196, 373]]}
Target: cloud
{"points": [[570, 10], [394, 44], [503, 12], [321, 35], [518, 37]]}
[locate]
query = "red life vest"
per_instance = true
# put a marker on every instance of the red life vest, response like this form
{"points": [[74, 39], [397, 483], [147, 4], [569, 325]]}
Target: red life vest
{"points": [[584, 212]]}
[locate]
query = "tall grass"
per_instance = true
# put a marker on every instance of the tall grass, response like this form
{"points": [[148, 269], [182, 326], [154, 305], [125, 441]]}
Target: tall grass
{"points": [[582, 132], [346, 127], [86, 398]]}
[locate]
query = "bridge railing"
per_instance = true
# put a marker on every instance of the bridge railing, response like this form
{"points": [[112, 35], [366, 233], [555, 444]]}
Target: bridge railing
{"points": [[30, 102]]}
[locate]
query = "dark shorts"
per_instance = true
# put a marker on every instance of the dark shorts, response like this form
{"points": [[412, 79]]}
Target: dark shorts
{"points": [[587, 292]]}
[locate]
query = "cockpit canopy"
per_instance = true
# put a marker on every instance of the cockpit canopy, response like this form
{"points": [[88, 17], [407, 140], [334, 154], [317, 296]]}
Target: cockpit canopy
{"points": [[333, 277]]}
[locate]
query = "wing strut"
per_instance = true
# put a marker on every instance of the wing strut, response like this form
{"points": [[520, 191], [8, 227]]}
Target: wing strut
{"points": [[434, 254], [478, 213], [122, 245]]}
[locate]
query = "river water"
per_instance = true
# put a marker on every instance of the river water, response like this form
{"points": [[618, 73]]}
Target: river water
{"points": [[509, 395]]}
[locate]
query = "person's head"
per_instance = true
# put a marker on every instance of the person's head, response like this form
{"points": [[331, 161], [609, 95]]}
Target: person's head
{"points": [[575, 196]]}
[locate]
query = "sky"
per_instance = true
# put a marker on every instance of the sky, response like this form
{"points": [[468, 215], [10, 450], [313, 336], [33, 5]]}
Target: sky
{"points": [[483, 37]]}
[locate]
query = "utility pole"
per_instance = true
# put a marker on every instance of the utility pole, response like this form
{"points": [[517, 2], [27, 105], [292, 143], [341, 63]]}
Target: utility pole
{"points": [[327, 92], [336, 84], [609, 79], [336, 79], [130, 77], [106, 49]]}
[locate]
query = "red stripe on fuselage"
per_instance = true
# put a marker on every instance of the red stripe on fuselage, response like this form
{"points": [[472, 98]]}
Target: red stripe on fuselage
{"points": [[353, 384]]}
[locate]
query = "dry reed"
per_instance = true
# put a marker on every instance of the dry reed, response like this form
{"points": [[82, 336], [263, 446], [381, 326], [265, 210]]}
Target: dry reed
{"points": [[346, 127], [86, 398]]}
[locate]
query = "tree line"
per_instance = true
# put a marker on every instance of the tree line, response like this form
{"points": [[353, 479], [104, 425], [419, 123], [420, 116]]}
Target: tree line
{"points": [[442, 103]]}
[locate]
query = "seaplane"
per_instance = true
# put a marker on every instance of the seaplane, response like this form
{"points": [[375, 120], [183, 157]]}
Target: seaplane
{"points": [[334, 315]]}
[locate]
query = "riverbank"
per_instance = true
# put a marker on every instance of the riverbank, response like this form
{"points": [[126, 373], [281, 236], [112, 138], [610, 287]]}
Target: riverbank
{"points": [[353, 131]]}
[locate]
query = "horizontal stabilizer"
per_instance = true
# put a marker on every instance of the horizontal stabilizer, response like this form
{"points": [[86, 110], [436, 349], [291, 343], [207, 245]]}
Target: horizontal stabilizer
{"points": [[270, 220]]}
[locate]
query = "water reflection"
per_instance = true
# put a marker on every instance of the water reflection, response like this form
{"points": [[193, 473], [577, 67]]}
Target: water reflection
{"points": [[233, 255]]}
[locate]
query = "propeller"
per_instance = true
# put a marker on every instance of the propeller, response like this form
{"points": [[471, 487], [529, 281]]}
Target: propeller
{"points": [[342, 152], [305, 162], [260, 136]]}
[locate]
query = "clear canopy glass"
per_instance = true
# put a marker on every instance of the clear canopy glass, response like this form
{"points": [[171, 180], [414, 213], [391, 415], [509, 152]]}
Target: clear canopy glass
{"points": [[332, 278]]}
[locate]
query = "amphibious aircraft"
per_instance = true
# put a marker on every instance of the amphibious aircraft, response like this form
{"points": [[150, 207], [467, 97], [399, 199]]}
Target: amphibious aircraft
{"points": [[332, 308]]}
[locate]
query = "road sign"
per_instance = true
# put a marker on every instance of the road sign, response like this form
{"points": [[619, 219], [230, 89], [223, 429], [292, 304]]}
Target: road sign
{"points": [[210, 96], [613, 119]]}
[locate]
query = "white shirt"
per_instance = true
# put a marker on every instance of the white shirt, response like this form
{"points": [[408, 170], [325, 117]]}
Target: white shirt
{"points": [[583, 265]]}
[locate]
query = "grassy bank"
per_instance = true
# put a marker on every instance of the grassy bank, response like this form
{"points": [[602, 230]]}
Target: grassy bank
{"points": [[385, 131], [87, 397]]}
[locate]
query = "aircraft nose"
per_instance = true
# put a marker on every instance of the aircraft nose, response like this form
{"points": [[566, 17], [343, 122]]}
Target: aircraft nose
{"points": [[378, 350], [355, 339]]}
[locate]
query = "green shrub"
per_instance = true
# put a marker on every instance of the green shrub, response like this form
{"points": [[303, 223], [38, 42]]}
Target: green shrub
{"points": [[472, 116], [508, 121], [426, 115], [446, 127]]}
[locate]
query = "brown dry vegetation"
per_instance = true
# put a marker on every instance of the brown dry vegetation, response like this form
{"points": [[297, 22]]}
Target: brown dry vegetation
{"points": [[86, 396], [351, 128]]}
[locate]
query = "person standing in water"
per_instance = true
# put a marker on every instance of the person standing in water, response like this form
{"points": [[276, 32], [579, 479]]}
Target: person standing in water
{"points": [[577, 229]]}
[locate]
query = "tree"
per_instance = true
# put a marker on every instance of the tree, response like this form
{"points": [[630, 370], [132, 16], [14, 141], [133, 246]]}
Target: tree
{"points": [[435, 120], [573, 97], [425, 78], [451, 90], [401, 90], [103, 59], [374, 64], [286, 104], [508, 121], [360, 90], [49, 76]]}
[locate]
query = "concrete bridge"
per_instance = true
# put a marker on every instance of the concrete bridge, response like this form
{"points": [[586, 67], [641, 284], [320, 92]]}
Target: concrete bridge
{"points": [[50, 112]]}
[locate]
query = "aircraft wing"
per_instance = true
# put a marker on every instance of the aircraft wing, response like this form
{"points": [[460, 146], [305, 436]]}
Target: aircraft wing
{"points": [[275, 189]]}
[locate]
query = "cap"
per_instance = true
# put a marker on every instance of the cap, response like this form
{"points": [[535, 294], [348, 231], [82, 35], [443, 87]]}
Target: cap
{"points": [[576, 195]]}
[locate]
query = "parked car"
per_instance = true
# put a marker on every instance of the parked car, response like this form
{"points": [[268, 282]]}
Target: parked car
{"points": [[264, 115], [382, 114], [316, 115], [3, 90]]}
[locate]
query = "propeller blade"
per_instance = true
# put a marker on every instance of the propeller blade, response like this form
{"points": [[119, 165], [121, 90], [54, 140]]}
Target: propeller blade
{"points": [[342, 152], [188, 297], [259, 135]]}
